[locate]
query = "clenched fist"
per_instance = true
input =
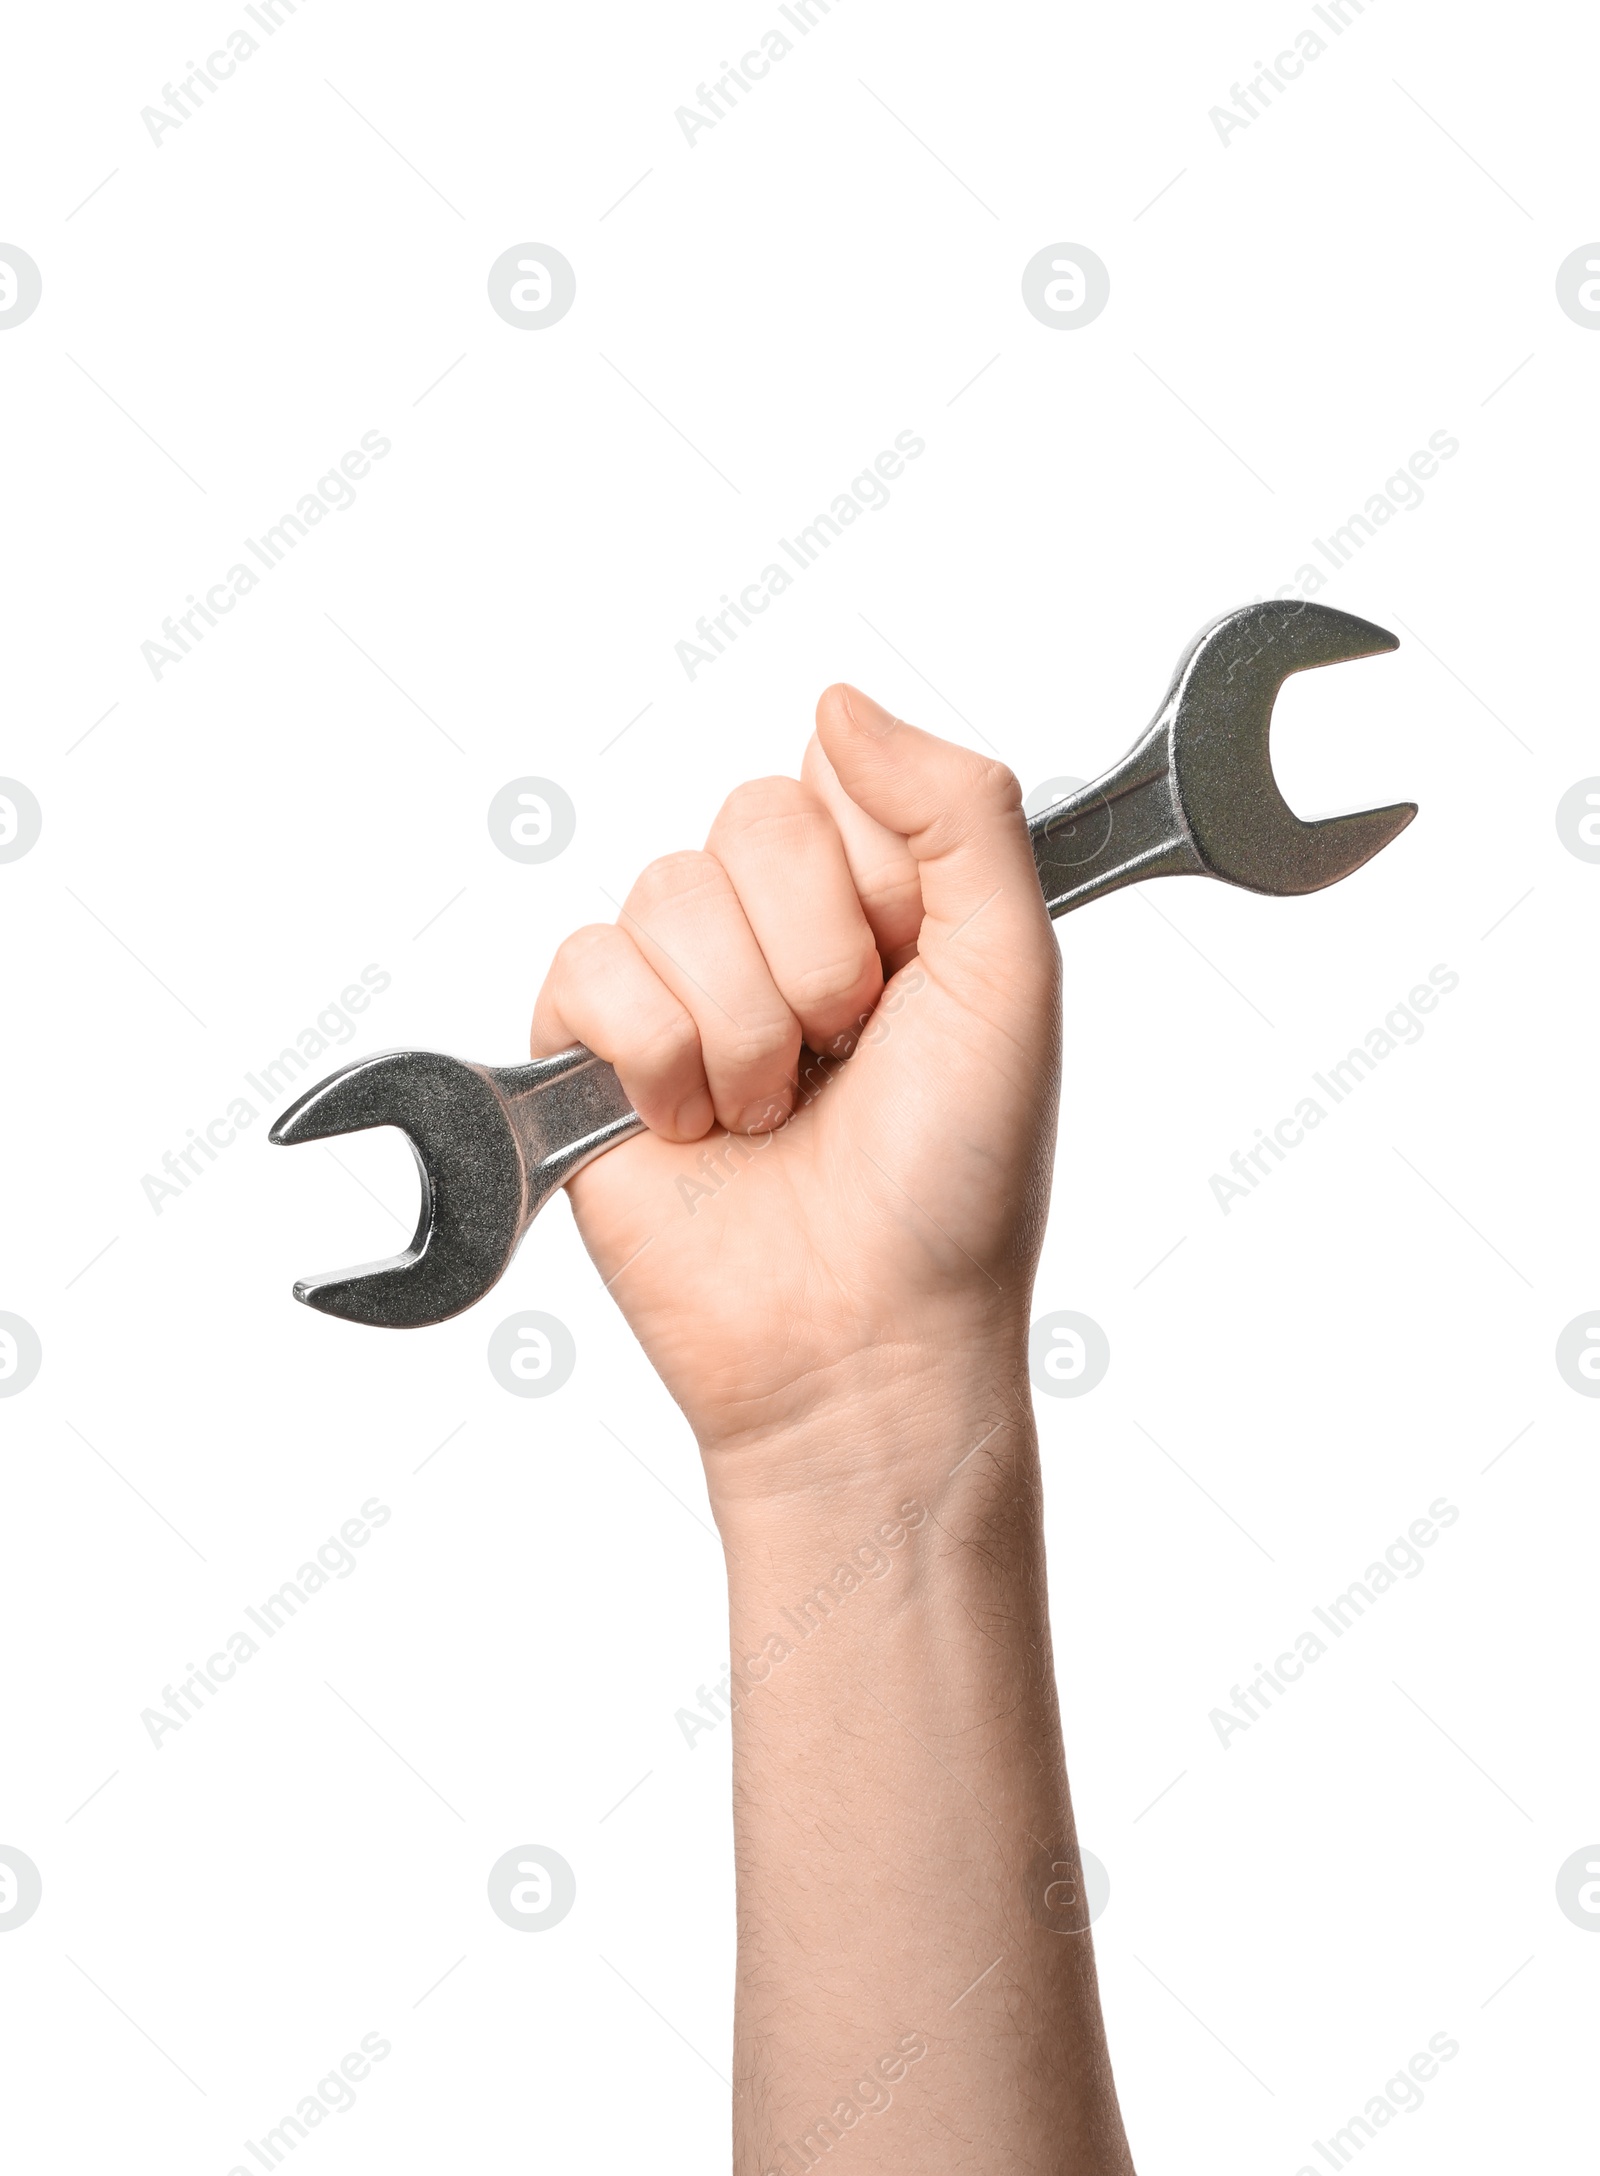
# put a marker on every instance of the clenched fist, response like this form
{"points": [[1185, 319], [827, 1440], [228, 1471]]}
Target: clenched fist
{"points": [[839, 1020]]}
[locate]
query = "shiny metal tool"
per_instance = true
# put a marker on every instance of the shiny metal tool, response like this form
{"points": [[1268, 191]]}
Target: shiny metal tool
{"points": [[1194, 796]]}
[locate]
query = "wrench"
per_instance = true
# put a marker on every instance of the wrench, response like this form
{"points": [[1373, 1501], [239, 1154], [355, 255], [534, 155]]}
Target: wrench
{"points": [[1194, 796]]}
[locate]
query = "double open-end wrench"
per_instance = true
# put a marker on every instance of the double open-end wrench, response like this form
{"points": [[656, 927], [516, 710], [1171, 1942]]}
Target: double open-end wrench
{"points": [[1194, 796]]}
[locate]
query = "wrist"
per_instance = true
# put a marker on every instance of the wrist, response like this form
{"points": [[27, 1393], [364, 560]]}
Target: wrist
{"points": [[916, 1589], [892, 1424]]}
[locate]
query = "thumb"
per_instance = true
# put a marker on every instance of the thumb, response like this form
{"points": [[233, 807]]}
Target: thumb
{"points": [[959, 813]]}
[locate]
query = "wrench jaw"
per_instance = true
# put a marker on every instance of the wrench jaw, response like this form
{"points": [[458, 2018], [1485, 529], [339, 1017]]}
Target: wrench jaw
{"points": [[1196, 795], [1218, 715], [1330, 848], [492, 1144], [475, 1204]]}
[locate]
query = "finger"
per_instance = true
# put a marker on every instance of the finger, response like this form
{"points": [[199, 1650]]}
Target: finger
{"points": [[960, 814], [881, 864], [601, 991], [787, 862], [684, 915]]}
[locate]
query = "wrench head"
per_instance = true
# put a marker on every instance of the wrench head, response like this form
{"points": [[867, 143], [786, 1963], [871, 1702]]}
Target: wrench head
{"points": [[1219, 714], [473, 1184]]}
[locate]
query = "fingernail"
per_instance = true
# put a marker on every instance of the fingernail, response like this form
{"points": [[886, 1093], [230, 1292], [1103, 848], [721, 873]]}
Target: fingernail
{"points": [[869, 716]]}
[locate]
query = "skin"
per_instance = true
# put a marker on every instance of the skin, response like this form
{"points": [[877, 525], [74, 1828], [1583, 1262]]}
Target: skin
{"points": [[830, 1261]]}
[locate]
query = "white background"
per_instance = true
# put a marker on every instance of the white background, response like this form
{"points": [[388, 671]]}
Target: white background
{"points": [[1370, 262]]}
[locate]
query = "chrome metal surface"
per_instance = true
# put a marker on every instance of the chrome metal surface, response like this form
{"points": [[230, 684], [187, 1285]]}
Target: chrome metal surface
{"points": [[492, 1144], [1194, 796]]}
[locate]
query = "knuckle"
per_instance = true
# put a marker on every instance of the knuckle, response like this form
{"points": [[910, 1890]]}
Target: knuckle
{"points": [[890, 888], [761, 1047], [978, 794], [821, 990], [675, 876], [761, 803], [578, 951], [764, 796], [667, 1046], [998, 784], [583, 961]]}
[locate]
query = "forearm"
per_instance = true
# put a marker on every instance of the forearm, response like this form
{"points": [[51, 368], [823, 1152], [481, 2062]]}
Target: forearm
{"points": [[840, 1306], [913, 1974]]}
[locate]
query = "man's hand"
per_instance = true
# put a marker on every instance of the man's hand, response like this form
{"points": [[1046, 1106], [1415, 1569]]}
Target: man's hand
{"points": [[830, 1260], [796, 1229]]}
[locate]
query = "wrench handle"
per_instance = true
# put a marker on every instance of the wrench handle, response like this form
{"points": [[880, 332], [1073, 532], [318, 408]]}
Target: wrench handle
{"points": [[1126, 826], [569, 1108], [563, 1111]]}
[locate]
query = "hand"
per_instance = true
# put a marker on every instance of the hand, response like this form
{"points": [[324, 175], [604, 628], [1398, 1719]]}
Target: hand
{"points": [[801, 1232], [829, 1258]]}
